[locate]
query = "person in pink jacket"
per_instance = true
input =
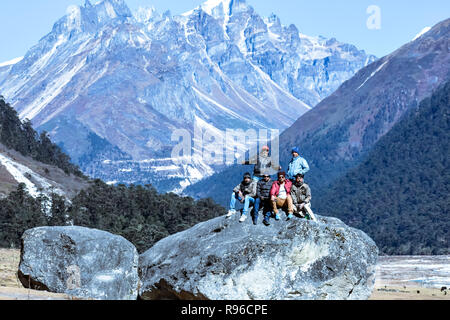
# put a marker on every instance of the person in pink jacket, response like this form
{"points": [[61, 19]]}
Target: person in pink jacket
{"points": [[281, 196]]}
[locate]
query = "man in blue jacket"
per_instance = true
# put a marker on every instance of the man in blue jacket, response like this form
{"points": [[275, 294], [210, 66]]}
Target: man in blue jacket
{"points": [[297, 165]]}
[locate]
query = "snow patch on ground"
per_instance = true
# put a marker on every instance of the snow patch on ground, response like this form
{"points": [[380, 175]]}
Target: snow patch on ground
{"points": [[426, 271], [23, 174], [373, 73], [17, 171]]}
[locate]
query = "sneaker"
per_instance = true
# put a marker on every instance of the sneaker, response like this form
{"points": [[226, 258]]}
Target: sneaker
{"points": [[243, 218], [289, 217], [277, 217], [266, 222], [230, 213]]}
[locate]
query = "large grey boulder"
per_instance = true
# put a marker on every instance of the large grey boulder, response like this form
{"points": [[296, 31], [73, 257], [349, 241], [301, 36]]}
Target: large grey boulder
{"points": [[80, 262], [226, 260]]}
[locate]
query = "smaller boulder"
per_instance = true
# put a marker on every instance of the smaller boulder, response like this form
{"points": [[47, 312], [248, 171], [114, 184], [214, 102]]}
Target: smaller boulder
{"points": [[80, 262]]}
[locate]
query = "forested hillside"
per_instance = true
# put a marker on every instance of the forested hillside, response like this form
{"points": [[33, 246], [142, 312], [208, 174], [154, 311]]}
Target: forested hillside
{"points": [[138, 213], [400, 195], [21, 136]]}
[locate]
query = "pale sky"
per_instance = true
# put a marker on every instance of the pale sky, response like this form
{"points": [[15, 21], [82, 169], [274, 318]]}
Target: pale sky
{"points": [[24, 22]]}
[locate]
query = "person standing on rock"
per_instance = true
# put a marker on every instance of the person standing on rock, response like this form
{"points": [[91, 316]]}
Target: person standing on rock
{"points": [[280, 195], [297, 165], [301, 197], [263, 199], [245, 192], [264, 165]]}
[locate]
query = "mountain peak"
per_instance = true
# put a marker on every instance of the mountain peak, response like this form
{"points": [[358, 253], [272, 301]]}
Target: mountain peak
{"points": [[145, 14], [230, 69], [90, 17], [217, 8], [113, 8]]}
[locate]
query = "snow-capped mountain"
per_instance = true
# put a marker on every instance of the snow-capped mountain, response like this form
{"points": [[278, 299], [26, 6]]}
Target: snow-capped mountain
{"points": [[112, 86]]}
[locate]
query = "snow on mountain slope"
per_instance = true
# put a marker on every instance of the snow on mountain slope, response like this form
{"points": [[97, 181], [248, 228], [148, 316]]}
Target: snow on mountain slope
{"points": [[421, 33], [11, 62], [17, 172], [5, 67], [39, 178], [20, 172], [127, 81]]}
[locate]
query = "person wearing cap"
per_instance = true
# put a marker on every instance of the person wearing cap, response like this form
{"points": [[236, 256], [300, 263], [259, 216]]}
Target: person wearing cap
{"points": [[301, 197], [280, 194], [264, 165], [263, 200], [297, 164], [245, 192]]}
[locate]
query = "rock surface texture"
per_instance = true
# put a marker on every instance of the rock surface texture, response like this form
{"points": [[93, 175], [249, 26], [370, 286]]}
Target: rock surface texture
{"points": [[225, 260], [80, 262]]}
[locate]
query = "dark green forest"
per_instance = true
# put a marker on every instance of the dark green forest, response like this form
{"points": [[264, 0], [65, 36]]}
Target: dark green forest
{"points": [[400, 195], [138, 213], [21, 137]]}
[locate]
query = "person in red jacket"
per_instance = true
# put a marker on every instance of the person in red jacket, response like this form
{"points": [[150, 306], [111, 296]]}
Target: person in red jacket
{"points": [[281, 196]]}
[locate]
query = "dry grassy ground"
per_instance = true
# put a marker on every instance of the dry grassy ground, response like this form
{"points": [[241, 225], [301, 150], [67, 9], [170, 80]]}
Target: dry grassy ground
{"points": [[10, 286], [408, 293], [12, 289]]}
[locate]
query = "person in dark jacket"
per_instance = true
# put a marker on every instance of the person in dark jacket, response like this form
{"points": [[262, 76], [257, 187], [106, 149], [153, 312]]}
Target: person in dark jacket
{"points": [[263, 199], [263, 165], [245, 192]]}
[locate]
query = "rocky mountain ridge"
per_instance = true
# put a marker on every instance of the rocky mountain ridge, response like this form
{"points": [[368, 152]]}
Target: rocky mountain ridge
{"points": [[111, 86]]}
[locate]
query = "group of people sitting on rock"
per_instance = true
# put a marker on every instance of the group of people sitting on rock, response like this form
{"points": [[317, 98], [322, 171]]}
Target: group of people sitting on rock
{"points": [[289, 192]]}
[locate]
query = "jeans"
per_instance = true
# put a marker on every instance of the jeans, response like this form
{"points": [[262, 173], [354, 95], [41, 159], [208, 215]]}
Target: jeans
{"points": [[266, 205], [256, 209], [247, 202]]}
